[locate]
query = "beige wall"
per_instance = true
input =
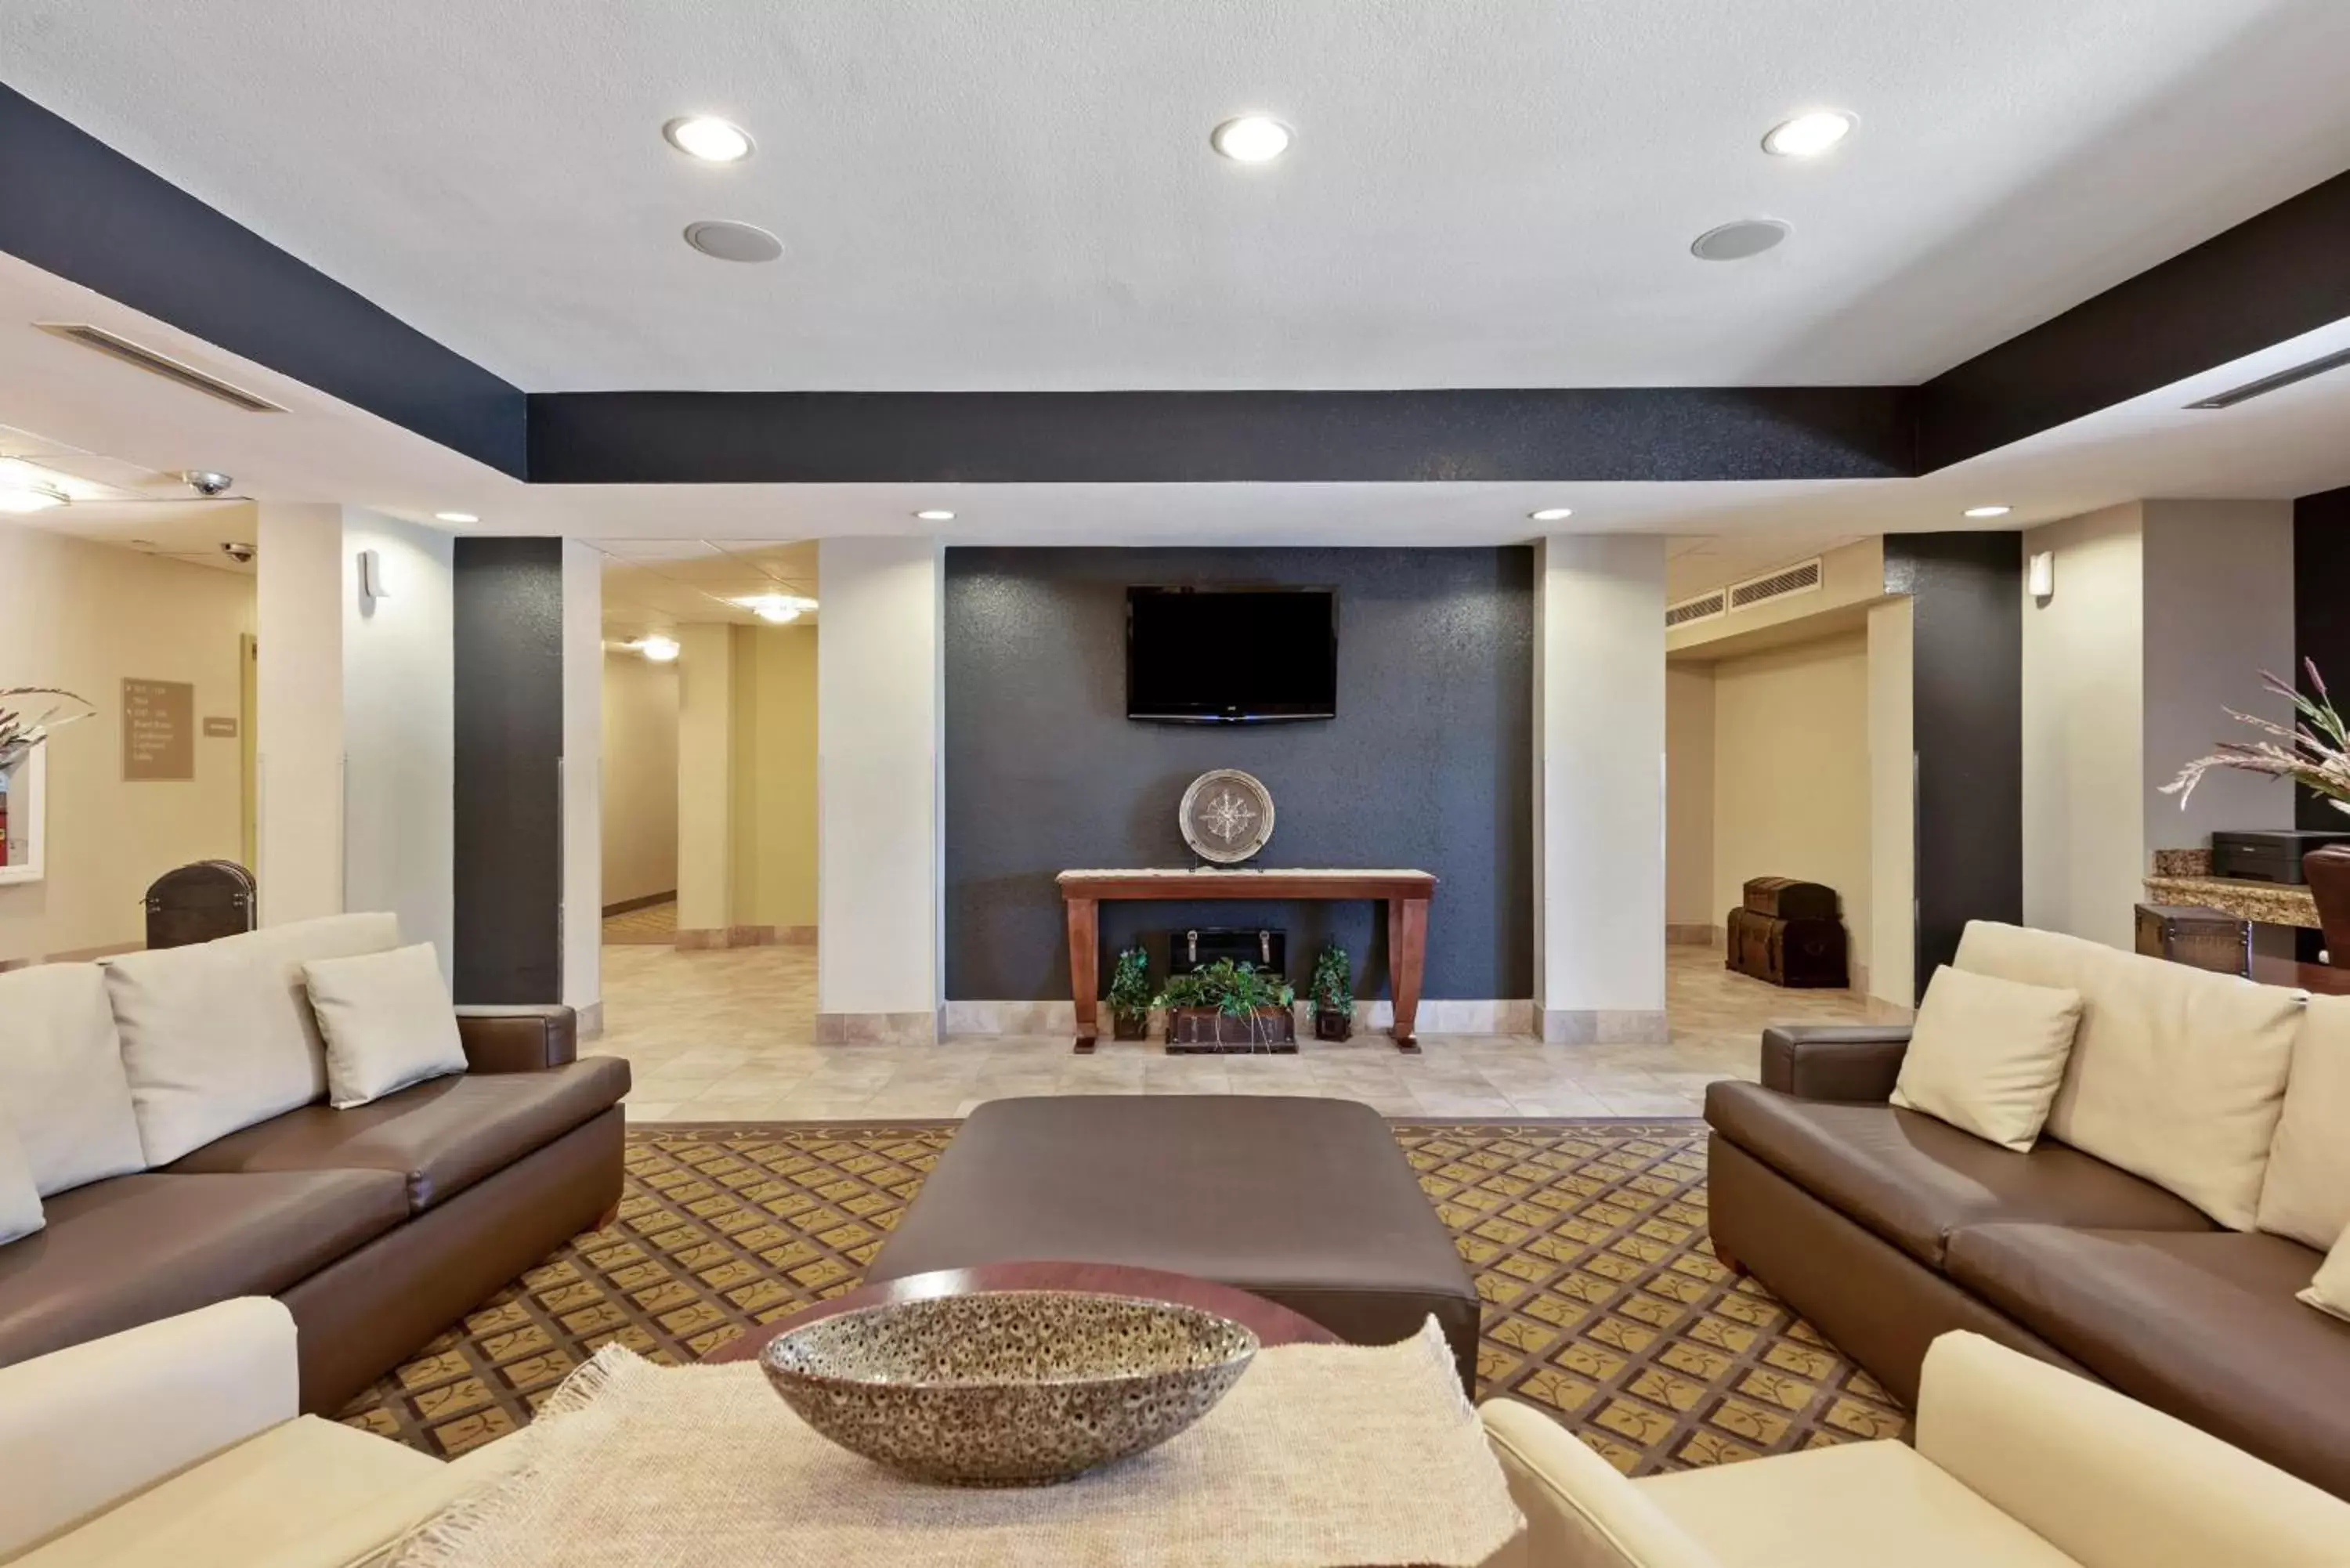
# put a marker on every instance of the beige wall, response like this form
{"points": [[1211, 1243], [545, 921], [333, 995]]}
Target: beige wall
{"points": [[2083, 707], [774, 776], [640, 777], [84, 617], [1892, 943], [1688, 797], [1791, 773], [705, 777]]}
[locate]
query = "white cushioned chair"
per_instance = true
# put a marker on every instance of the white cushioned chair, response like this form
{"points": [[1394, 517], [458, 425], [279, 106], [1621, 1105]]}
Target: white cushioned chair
{"points": [[179, 1442], [2016, 1462]]}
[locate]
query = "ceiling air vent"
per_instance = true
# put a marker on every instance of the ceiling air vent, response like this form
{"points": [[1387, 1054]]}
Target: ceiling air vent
{"points": [[155, 364], [1705, 607], [1803, 578], [2267, 384]]}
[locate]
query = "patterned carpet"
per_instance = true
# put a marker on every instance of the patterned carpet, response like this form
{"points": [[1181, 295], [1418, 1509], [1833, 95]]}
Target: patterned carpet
{"points": [[1604, 1305]]}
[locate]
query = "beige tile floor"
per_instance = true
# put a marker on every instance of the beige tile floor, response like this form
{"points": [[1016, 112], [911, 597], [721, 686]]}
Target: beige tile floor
{"points": [[729, 1035]]}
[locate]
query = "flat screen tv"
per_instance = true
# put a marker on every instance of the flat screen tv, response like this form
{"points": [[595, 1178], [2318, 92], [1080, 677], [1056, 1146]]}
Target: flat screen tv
{"points": [[1232, 655]]}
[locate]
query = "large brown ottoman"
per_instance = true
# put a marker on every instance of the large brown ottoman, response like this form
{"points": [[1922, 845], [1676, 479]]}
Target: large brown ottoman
{"points": [[1307, 1202]]}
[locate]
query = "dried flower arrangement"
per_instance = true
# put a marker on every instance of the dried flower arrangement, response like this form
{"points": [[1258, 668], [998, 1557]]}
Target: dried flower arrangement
{"points": [[2315, 753], [27, 714]]}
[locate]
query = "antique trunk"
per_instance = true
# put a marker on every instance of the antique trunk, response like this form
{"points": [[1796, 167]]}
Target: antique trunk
{"points": [[199, 902], [2196, 936], [1804, 954], [1785, 898], [1206, 1031]]}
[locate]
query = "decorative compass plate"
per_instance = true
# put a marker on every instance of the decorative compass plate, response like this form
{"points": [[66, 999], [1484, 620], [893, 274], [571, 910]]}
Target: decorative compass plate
{"points": [[1226, 815]]}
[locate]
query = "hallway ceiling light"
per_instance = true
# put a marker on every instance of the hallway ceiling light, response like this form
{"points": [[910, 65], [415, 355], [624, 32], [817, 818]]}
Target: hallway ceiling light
{"points": [[18, 496], [780, 608], [709, 139], [1807, 135], [936, 514], [1552, 514], [1989, 511], [660, 649], [28, 487], [1251, 138], [455, 517]]}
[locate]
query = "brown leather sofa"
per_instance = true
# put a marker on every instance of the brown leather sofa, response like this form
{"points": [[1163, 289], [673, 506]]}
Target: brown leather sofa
{"points": [[378, 1227], [1886, 1228]]}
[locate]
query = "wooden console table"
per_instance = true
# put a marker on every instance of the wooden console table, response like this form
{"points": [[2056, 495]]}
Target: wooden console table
{"points": [[1405, 893]]}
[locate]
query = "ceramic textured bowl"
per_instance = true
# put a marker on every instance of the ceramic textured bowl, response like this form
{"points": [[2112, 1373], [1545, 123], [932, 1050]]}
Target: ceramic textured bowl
{"points": [[1008, 1387]]}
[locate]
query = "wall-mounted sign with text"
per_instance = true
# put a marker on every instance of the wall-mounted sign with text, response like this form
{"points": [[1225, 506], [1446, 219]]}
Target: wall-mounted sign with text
{"points": [[159, 730]]}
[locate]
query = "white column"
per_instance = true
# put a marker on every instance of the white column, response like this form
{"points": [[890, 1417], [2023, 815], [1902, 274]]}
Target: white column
{"points": [[399, 727], [583, 788], [298, 711], [879, 707], [1599, 788]]}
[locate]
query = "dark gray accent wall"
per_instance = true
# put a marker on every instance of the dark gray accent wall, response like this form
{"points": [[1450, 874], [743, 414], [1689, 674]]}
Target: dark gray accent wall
{"points": [[1429, 762], [1182, 438], [75, 207], [2321, 619], [1967, 723], [508, 610]]}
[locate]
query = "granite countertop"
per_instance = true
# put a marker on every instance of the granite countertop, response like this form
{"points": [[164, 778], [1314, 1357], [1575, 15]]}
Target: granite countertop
{"points": [[2266, 903]]}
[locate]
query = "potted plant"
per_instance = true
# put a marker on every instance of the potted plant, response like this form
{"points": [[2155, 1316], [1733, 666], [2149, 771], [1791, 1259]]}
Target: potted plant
{"points": [[1332, 990], [1227, 1007], [1129, 995]]}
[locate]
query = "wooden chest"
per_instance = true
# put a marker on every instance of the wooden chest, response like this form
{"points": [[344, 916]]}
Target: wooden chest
{"points": [[1799, 954], [1785, 898], [2197, 936]]}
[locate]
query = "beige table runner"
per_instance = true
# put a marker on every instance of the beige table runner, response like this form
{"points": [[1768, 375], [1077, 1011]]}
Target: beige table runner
{"points": [[1320, 1456]]}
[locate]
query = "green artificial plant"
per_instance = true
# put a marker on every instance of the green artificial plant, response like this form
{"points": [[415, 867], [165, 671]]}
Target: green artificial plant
{"points": [[1234, 989], [1129, 985], [1332, 985]]}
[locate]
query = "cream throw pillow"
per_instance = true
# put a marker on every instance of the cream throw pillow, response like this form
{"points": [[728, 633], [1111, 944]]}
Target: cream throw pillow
{"points": [[387, 1022], [219, 1035], [1986, 1054], [2306, 1195], [20, 1200], [2177, 1075], [2329, 1293], [61, 1073]]}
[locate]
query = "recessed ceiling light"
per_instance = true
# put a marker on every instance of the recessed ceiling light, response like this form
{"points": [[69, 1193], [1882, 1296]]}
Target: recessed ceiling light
{"points": [[1553, 515], [711, 140], [734, 242], [936, 514], [1807, 135], [1736, 242], [455, 517], [1989, 511], [1251, 138], [660, 649]]}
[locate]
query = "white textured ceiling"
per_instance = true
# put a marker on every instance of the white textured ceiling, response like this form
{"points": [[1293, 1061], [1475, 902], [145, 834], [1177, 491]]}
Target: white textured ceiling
{"points": [[654, 585], [1018, 193]]}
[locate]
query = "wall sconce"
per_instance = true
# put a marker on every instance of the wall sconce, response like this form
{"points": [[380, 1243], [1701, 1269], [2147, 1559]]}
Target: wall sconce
{"points": [[372, 586], [2040, 576]]}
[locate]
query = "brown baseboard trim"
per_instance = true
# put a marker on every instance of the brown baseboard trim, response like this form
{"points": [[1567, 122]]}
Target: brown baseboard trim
{"points": [[630, 906], [708, 937]]}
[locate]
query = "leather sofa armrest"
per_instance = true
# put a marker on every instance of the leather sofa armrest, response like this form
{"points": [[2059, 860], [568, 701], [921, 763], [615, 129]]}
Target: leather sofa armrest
{"points": [[518, 1039], [83, 1427], [1833, 1061]]}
